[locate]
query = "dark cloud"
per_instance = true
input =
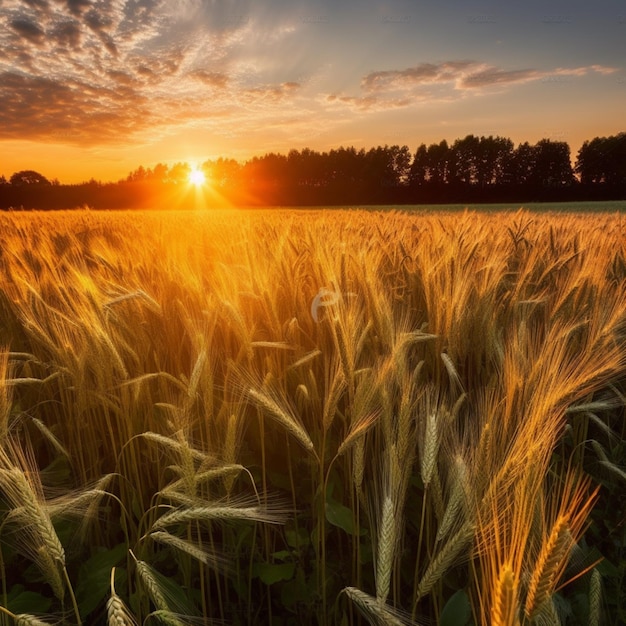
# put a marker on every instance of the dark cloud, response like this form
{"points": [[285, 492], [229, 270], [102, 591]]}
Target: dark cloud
{"points": [[29, 30], [67, 34], [97, 21], [101, 24], [35, 107], [76, 7], [37, 4]]}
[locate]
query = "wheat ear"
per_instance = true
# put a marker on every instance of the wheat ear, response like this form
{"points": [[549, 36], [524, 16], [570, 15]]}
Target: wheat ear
{"points": [[550, 558], [117, 613], [448, 554], [273, 410], [25, 619], [151, 584], [595, 597], [189, 548], [216, 512], [430, 448], [374, 611], [457, 497], [386, 549], [44, 544], [505, 599]]}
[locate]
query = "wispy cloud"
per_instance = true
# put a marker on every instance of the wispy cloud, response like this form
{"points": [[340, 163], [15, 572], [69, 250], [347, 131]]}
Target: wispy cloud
{"points": [[446, 81]]}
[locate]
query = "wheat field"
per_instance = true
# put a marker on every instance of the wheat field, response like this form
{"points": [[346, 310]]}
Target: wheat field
{"points": [[312, 417]]}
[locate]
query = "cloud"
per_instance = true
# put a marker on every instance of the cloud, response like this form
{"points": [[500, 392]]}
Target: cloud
{"points": [[98, 72], [369, 103], [270, 93], [28, 30], [488, 76], [445, 82], [462, 75], [43, 108], [422, 74], [217, 80], [67, 34]]}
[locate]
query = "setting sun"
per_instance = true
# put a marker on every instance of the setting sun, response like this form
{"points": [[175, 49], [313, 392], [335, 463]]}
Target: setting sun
{"points": [[197, 178]]}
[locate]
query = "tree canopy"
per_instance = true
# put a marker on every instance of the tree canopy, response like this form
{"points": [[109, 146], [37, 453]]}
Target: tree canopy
{"points": [[471, 169]]}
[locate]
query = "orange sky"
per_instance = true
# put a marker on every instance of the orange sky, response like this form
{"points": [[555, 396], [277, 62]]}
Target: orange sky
{"points": [[95, 89]]}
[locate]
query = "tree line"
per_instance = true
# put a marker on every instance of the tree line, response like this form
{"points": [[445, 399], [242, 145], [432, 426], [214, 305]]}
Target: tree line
{"points": [[472, 169]]}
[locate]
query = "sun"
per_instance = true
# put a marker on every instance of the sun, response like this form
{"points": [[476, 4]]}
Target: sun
{"points": [[197, 178]]}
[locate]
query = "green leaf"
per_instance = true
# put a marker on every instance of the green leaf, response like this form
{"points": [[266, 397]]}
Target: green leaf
{"points": [[21, 601], [273, 573], [94, 577], [457, 611], [339, 515], [298, 591], [297, 539]]}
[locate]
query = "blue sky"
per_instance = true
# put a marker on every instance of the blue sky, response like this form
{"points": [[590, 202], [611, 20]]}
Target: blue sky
{"points": [[93, 88]]}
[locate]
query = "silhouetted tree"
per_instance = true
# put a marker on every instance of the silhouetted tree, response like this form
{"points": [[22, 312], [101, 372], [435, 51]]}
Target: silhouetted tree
{"points": [[222, 172], [493, 160], [522, 164], [178, 173], [419, 167], [3, 180], [463, 160], [552, 167], [603, 161], [28, 177], [138, 175], [345, 165]]}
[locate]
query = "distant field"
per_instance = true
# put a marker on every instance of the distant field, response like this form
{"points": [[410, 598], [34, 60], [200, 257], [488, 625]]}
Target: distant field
{"points": [[560, 207], [306, 418]]}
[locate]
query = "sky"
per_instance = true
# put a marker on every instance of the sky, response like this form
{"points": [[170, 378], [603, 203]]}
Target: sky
{"points": [[93, 89]]}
